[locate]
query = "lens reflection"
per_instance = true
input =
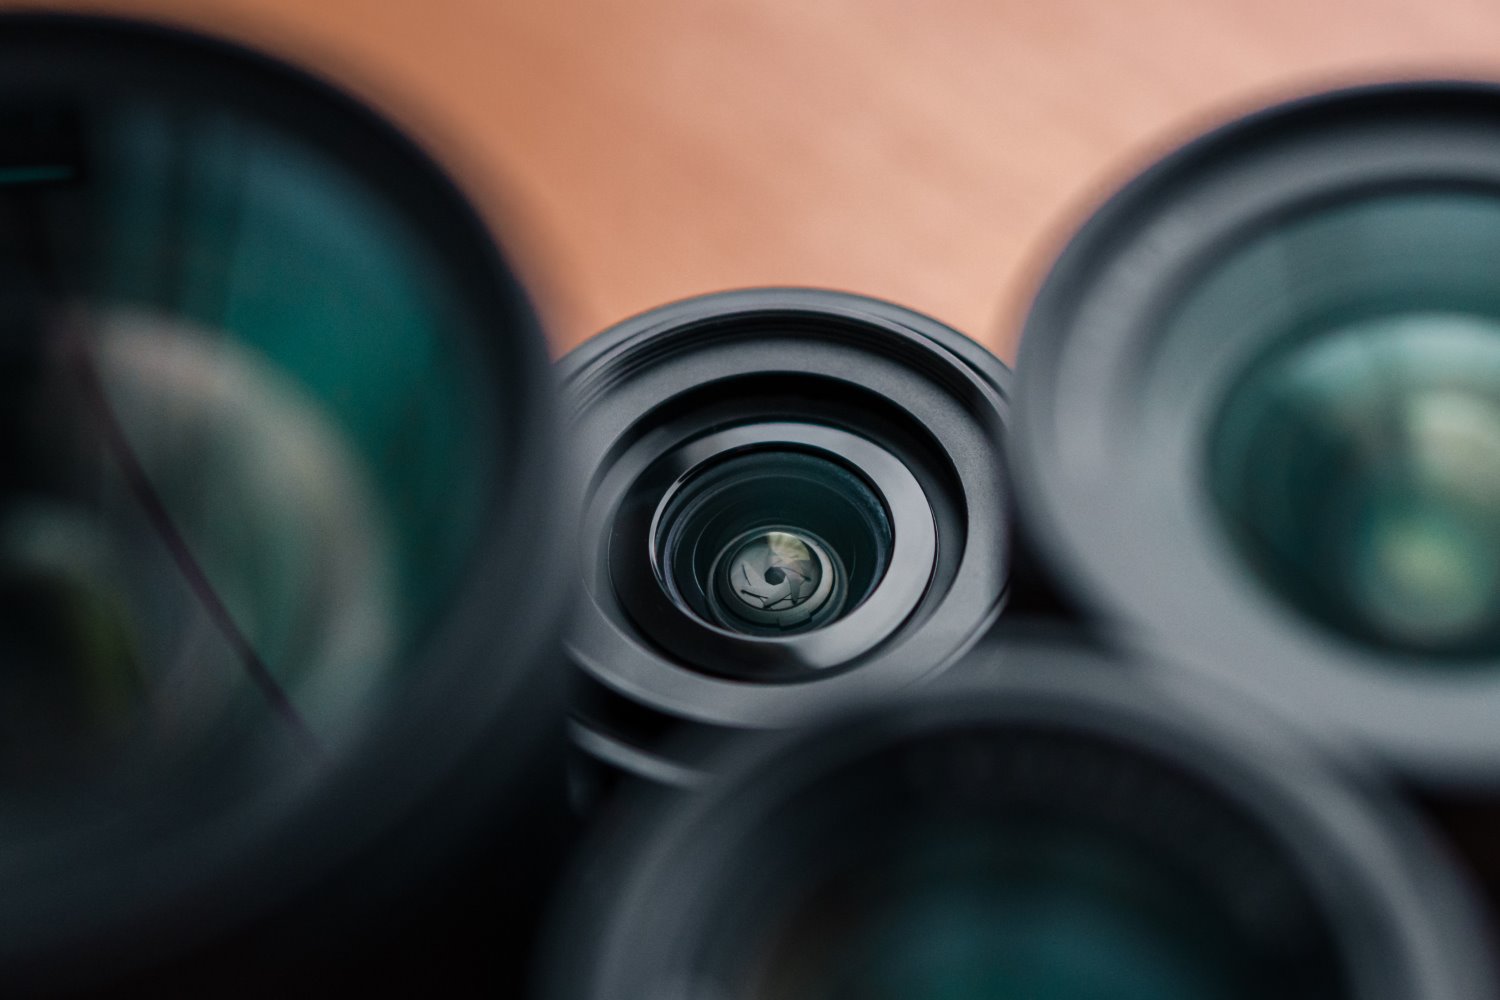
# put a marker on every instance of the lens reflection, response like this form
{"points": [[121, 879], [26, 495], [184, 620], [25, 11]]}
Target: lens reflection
{"points": [[1358, 462], [772, 542], [1057, 914], [776, 577], [247, 439]]}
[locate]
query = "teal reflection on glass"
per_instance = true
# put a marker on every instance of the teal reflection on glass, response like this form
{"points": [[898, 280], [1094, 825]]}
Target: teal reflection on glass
{"points": [[1356, 463], [249, 366], [1058, 916]]}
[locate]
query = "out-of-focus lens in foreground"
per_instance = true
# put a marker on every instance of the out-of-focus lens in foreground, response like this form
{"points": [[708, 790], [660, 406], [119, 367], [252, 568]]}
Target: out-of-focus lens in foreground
{"points": [[1056, 825], [792, 498], [271, 417]]}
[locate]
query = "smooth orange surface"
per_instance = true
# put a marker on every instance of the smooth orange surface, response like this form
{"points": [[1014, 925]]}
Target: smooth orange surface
{"points": [[934, 153]]}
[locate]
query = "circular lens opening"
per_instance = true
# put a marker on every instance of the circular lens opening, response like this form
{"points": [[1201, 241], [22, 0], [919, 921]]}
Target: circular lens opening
{"points": [[774, 542], [1356, 463]]}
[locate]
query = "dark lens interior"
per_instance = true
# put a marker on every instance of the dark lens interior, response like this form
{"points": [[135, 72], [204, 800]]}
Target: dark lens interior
{"points": [[1033, 865], [1049, 914], [1356, 463], [772, 542], [247, 438]]}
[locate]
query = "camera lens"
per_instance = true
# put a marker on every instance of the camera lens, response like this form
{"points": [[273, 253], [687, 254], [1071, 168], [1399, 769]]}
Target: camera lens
{"points": [[1260, 420], [770, 542], [1046, 823], [791, 497], [274, 450], [1357, 464]]}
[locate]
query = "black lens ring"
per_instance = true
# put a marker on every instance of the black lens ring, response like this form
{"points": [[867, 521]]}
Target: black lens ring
{"points": [[131, 884], [1108, 449], [940, 383], [632, 922], [804, 654]]}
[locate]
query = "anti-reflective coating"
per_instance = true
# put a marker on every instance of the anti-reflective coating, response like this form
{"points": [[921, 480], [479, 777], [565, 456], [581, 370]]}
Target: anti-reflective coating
{"points": [[955, 867], [253, 412], [264, 380], [772, 542], [1057, 824], [1053, 915], [1357, 464]]}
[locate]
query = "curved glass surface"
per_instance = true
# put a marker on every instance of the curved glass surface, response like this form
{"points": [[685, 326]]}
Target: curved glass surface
{"points": [[1356, 463], [249, 438]]}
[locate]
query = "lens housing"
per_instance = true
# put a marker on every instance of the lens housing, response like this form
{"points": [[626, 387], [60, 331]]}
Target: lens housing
{"points": [[276, 426], [1048, 821], [791, 497], [1255, 420]]}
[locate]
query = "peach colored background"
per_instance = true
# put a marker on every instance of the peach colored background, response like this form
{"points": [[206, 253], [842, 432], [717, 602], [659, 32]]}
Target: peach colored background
{"points": [[934, 153]]}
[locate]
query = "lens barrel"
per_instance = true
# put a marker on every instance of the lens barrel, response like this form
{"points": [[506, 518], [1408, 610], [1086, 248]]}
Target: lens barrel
{"points": [[1046, 821], [275, 534], [791, 498], [1260, 418]]}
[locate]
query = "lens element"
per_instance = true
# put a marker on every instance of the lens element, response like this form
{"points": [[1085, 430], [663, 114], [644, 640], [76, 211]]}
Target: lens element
{"points": [[271, 454], [772, 542], [1357, 463], [779, 578], [1058, 825], [1261, 418], [794, 497], [1051, 913]]}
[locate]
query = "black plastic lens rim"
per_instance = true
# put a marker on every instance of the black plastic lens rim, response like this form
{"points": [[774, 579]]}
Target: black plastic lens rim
{"points": [[1107, 452], [632, 919], [171, 883], [629, 389]]}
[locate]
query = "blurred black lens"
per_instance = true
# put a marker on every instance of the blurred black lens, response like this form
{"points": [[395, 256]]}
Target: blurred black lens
{"points": [[792, 497], [1261, 419], [1065, 829], [1357, 465], [272, 441]]}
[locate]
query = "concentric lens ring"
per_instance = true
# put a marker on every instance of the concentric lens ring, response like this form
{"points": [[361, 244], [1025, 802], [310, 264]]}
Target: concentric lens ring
{"points": [[636, 566], [1132, 358]]}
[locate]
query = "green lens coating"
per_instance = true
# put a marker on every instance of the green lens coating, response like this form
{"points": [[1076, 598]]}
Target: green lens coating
{"points": [[247, 421], [1356, 463]]}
